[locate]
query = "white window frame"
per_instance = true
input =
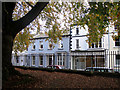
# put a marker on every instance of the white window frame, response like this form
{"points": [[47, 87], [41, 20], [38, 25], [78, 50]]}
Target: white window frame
{"points": [[33, 45], [33, 61], [40, 60], [60, 44], [61, 58]]}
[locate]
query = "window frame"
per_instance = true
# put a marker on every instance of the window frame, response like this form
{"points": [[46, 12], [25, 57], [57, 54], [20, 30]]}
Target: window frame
{"points": [[77, 44], [33, 61], [17, 59], [118, 42], [33, 46], [50, 48], [41, 64], [77, 31], [117, 63], [96, 44], [60, 44], [61, 58], [41, 44]]}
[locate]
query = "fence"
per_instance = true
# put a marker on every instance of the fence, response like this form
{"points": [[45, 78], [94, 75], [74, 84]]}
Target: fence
{"points": [[78, 60]]}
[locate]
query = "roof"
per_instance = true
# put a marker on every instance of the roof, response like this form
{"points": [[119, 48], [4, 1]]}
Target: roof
{"points": [[43, 36], [93, 50]]}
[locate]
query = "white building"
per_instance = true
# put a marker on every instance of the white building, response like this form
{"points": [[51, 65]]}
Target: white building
{"points": [[73, 52], [98, 54]]}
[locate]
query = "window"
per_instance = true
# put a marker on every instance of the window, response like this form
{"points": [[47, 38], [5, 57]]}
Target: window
{"points": [[60, 44], [41, 60], [50, 46], [96, 44], [17, 59], [33, 46], [25, 60], [77, 31], [33, 60], [21, 61], [61, 59], [41, 45], [117, 41], [117, 59], [116, 27], [77, 43]]}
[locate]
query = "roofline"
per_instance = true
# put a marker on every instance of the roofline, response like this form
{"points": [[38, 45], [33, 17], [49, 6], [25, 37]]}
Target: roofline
{"points": [[88, 51], [48, 37]]}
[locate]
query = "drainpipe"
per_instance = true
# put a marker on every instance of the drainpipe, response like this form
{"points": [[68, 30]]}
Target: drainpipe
{"points": [[108, 38], [69, 62]]}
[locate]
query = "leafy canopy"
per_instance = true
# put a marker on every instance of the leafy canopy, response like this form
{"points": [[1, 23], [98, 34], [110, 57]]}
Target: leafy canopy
{"points": [[60, 16]]}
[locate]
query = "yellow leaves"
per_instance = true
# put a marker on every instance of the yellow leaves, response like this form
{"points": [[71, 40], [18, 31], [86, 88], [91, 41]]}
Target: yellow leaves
{"points": [[97, 15], [49, 10], [21, 41]]}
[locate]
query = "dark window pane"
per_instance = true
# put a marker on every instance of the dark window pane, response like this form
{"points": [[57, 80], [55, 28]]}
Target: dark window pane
{"points": [[117, 41], [77, 43], [92, 45], [41, 46], [77, 31], [117, 59]]}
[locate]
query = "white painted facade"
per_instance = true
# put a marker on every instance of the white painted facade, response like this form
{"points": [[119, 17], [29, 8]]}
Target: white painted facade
{"points": [[107, 41], [61, 54], [79, 45]]}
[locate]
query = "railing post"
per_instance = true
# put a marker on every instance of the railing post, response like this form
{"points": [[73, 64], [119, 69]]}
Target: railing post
{"points": [[92, 60]]}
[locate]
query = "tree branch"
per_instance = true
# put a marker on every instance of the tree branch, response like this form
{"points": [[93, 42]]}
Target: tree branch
{"points": [[29, 4], [29, 17]]}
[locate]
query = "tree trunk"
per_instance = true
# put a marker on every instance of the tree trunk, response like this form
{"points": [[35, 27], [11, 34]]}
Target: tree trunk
{"points": [[7, 69], [10, 29]]}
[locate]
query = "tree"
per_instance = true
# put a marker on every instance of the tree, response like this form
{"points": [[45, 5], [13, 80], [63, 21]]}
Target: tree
{"points": [[100, 16], [22, 39], [95, 16], [9, 30], [77, 13]]}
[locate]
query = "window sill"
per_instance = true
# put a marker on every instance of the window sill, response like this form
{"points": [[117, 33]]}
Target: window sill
{"points": [[40, 49], [49, 49], [116, 47], [60, 48], [33, 50], [77, 49], [40, 65]]}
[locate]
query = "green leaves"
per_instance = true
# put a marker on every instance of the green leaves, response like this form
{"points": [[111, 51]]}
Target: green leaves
{"points": [[22, 41], [60, 16], [99, 16]]}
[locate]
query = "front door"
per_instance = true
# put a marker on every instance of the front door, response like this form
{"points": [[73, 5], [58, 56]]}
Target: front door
{"points": [[50, 60]]}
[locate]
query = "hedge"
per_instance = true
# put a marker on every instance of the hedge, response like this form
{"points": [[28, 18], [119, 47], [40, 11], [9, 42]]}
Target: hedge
{"points": [[86, 73]]}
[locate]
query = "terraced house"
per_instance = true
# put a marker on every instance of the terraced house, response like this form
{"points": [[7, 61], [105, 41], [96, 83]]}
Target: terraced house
{"points": [[42, 53], [72, 52]]}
